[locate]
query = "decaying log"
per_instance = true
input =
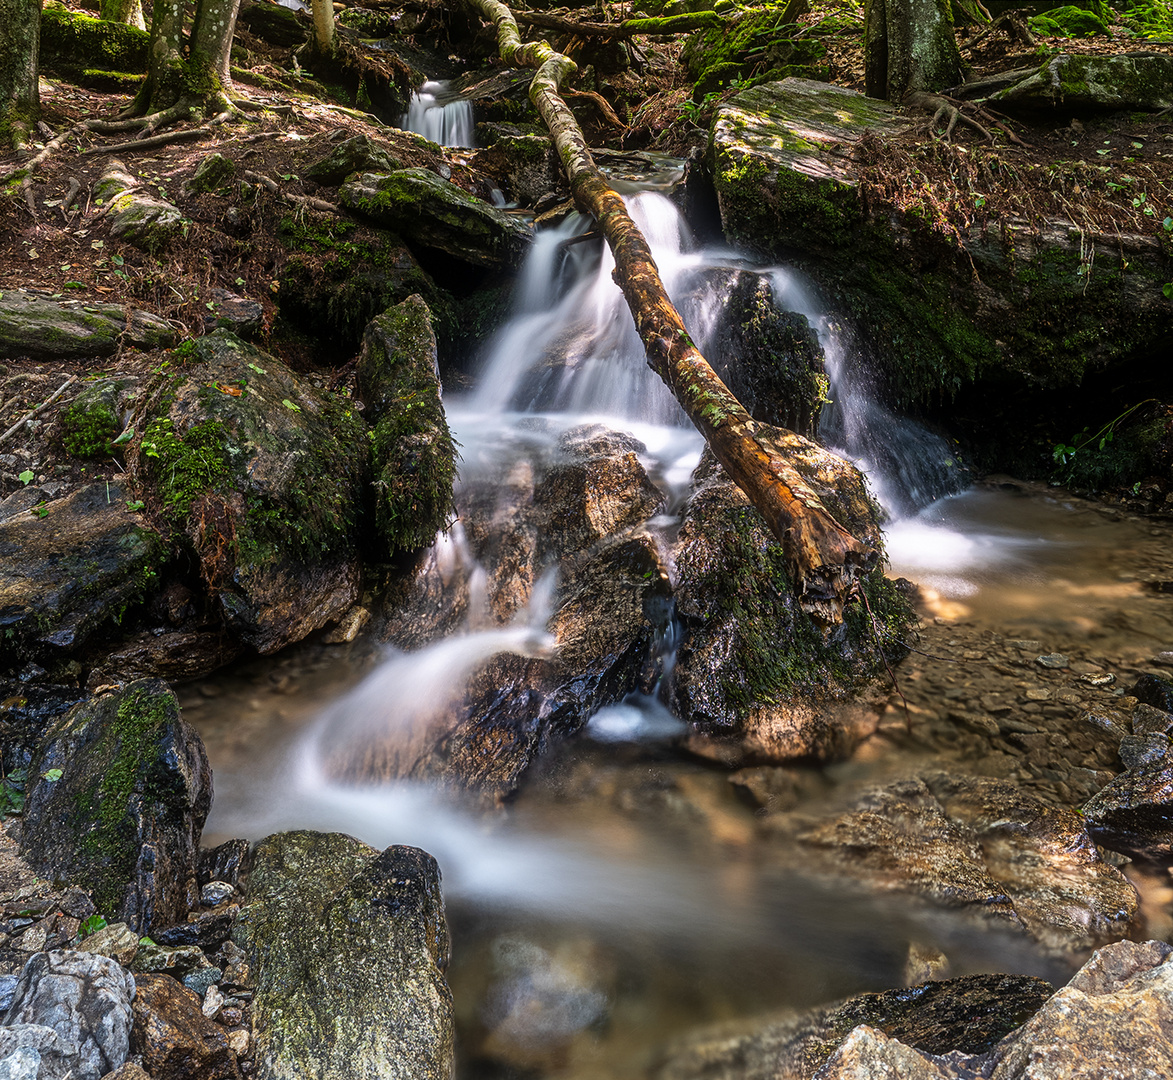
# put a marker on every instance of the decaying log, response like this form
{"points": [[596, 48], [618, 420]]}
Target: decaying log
{"points": [[825, 560]]}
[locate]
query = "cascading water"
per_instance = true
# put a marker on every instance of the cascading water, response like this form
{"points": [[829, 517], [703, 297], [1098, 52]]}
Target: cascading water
{"points": [[438, 113]]}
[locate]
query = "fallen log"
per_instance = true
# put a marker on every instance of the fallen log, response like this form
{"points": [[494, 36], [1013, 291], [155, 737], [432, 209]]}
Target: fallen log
{"points": [[824, 558], [665, 26]]}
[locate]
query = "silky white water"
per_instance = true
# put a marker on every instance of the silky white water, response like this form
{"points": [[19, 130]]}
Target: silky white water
{"points": [[439, 114], [524, 884]]}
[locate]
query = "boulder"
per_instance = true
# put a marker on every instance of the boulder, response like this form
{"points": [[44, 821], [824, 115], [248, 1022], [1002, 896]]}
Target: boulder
{"points": [[70, 567], [977, 844], [1074, 82], [788, 160], [358, 154], [349, 946], [752, 665], [413, 455], [175, 1039], [123, 788], [435, 214], [1133, 813], [264, 475], [147, 222], [525, 164], [36, 1052], [85, 999], [969, 1014], [1113, 1019], [1155, 692], [45, 329], [214, 171]]}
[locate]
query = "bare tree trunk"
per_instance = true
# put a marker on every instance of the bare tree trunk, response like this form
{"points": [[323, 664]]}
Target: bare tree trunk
{"points": [[194, 83], [20, 46], [129, 12], [825, 559], [909, 45], [323, 38]]}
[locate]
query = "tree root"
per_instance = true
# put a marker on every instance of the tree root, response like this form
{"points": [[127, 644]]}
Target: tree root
{"points": [[956, 110], [185, 135], [308, 201]]}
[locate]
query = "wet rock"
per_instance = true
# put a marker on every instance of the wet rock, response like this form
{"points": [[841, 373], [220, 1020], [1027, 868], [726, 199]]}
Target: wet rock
{"points": [[85, 999], [1154, 691], [1133, 813], [147, 222], [175, 1039], [175, 655], [1076, 83], [1053, 661], [215, 892], [205, 928], [969, 1014], [358, 154], [526, 164], [350, 946], [752, 664], [436, 214], [1137, 751], [72, 570], [230, 311], [123, 817], [413, 455], [975, 843], [771, 359], [264, 476], [177, 962], [116, 940], [226, 862]]}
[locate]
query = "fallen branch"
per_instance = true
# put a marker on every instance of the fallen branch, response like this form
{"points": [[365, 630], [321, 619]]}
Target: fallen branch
{"points": [[601, 103], [825, 560], [39, 409], [298, 200]]}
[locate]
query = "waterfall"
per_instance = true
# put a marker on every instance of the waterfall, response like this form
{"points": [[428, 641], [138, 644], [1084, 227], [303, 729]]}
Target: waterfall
{"points": [[438, 113]]}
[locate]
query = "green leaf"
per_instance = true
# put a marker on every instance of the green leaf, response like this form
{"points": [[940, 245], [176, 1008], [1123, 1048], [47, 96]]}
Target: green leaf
{"points": [[134, 505], [52, 775], [26, 477], [260, 370], [289, 405], [92, 925], [125, 437]]}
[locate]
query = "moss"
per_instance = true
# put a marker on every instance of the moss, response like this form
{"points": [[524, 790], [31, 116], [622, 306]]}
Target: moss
{"points": [[80, 42], [184, 468], [92, 421]]}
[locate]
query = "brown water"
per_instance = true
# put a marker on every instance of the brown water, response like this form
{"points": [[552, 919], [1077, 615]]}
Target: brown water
{"points": [[629, 892]]}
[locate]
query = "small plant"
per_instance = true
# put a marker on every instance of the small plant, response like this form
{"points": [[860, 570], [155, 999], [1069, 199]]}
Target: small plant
{"points": [[91, 926], [12, 784], [134, 505], [26, 477]]}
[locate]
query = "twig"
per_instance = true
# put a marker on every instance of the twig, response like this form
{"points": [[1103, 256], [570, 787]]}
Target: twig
{"points": [[39, 409], [880, 649], [74, 188]]}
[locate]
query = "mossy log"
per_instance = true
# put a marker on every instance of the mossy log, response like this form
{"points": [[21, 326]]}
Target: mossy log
{"points": [[825, 559], [661, 27]]}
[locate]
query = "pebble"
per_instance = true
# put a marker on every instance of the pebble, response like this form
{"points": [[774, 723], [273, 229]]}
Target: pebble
{"points": [[1038, 694], [1164, 658], [1098, 680], [1054, 661], [238, 1039], [215, 893], [33, 939], [213, 999], [1024, 645], [199, 981]]}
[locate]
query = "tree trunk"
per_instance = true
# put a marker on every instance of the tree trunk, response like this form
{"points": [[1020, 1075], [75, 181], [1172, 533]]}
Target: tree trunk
{"points": [[129, 12], [323, 38], [199, 80], [825, 559], [909, 45], [20, 46]]}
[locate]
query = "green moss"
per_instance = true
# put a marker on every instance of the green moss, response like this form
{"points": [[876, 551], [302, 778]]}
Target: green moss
{"points": [[81, 42], [92, 421], [184, 468]]}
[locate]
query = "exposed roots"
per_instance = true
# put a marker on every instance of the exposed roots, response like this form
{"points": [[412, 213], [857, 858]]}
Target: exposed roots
{"points": [[306, 201], [957, 112]]}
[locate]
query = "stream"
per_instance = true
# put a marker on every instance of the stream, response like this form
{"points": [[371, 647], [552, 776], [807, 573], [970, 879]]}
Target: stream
{"points": [[629, 892]]}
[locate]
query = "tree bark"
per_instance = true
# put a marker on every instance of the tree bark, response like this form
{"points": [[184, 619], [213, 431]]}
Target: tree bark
{"points": [[20, 46], [129, 12], [323, 37], [824, 558], [909, 45]]}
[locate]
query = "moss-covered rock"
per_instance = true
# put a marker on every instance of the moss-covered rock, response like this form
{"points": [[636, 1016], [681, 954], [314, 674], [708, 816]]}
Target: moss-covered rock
{"points": [[349, 947], [123, 790], [94, 418], [357, 154], [1068, 21], [413, 455], [436, 214], [340, 275], [136, 217], [263, 475], [70, 567], [214, 171], [788, 191], [1076, 82], [45, 329], [752, 664], [79, 41]]}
